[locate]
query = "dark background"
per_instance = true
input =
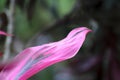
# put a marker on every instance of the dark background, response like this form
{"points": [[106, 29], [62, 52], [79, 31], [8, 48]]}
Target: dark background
{"points": [[35, 22]]}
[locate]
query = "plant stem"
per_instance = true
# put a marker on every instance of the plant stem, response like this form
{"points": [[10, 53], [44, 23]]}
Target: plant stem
{"points": [[8, 41]]}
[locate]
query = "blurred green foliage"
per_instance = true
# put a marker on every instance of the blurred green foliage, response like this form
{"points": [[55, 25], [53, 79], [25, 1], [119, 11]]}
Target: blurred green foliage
{"points": [[2, 5], [41, 17]]}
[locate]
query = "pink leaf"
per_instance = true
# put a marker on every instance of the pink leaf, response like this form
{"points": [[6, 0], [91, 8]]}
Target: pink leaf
{"points": [[34, 59], [3, 33]]}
